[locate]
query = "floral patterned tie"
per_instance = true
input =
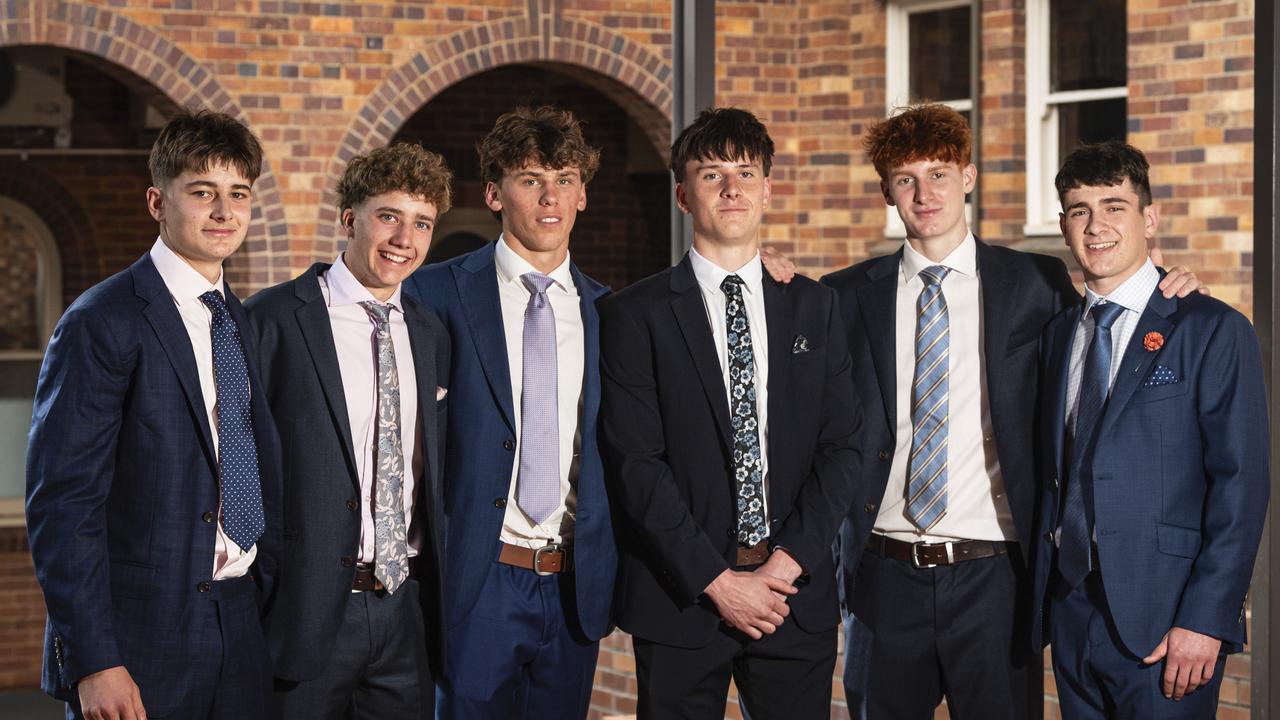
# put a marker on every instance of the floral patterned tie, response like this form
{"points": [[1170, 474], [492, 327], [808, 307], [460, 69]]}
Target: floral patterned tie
{"points": [[390, 547], [747, 471]]}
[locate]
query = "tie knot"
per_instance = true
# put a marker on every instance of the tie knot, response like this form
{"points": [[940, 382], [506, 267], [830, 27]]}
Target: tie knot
{"points": [[934, 274], [731, 285], [214, 301], [536, 282], [1105, 314], [380, 314]]}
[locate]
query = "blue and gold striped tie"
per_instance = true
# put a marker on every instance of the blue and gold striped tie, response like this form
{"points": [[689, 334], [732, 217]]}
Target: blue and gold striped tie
{"points": [[927, 478]]}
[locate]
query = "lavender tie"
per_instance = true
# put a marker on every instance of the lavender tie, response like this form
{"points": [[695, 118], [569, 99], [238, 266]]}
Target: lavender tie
{"points": [[538, 486], [390, 546]]}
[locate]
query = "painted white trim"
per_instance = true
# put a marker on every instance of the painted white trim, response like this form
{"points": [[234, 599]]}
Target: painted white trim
{"points": [[48, 272]]}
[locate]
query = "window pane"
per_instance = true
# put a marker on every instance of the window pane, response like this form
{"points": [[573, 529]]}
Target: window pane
{"points": [[1087, 41], [18, 274], [939, 47], [1090, 122]]}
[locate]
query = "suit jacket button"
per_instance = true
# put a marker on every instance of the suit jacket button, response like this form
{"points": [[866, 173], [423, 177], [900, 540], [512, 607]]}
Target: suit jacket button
{"points": [[869, 507], [500, 503], [204, 586], [730, 533], [508, 444], [1048, 537], [207, 517], [1055, 481], [884, 455], [352, 505], [347, 561]]}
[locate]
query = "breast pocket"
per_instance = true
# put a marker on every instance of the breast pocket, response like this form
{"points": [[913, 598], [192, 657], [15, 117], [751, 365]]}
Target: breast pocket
{"points": [[1161, 392]]}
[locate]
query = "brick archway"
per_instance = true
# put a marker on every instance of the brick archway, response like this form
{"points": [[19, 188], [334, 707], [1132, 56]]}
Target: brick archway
{"points": [[635, 78], [181, 79]]}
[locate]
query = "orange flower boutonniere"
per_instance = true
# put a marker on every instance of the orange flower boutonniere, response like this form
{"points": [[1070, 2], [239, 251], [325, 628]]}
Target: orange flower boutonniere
{"points": [[1153, 341]]}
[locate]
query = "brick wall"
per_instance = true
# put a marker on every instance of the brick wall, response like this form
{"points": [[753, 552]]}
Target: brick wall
{"points": [[21, 613]]}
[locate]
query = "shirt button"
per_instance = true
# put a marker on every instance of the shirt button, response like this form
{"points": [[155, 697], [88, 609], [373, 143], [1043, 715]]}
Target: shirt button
{"points": [[500, 503], [204, 586], [207, 517], [508, 444], [352, 505]]}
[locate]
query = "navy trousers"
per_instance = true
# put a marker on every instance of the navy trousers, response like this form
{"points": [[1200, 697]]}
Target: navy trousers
{"points": [[1098, 677], [520, 653], [233, 668]]}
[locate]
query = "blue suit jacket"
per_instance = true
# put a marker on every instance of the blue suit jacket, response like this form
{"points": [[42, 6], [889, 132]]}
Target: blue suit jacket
{"points": [[121, 476], [480, 446], [1178, 471]]}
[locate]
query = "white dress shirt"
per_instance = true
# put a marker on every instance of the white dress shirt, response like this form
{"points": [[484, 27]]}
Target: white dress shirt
{"points": [[977, 507], [517, 527], [355, 339], [1133, 295], [709, 276], [186, 285]]}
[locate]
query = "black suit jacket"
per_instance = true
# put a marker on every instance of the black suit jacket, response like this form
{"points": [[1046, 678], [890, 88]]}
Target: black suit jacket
{"points": [[321, 485], [666, 425], [1020, 293]]}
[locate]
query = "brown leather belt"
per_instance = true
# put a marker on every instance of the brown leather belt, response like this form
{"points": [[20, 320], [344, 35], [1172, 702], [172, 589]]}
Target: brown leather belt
{"points": [[546, 560], [364, 579], [753, 555], [927, 555]]}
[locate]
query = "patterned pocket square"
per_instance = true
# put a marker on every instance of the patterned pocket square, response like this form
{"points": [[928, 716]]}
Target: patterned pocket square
{"points": [[1161, 375], [801, 345]]}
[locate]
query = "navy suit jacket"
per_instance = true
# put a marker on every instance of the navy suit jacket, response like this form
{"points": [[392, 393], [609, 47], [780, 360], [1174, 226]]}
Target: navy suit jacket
{"points": [[1020, 292], [1178, 471], [321, 484], [666, 418], [481, 448], [121, 476]]}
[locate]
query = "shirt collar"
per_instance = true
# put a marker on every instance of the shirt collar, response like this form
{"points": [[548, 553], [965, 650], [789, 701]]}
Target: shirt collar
{"points": [[963, 259], [185, 283], [709, 275], [1133, 294], [345, 289], [511, 266]]}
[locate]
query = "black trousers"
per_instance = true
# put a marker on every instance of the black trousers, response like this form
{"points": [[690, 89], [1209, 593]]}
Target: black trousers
{"points": [[783, 676], [959, 631], [379, 667]]}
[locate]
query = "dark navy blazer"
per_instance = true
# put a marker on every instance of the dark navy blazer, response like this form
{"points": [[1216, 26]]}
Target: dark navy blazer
{"points": [[1179, 471], [122, 488], [321, 484], [463, 292]]}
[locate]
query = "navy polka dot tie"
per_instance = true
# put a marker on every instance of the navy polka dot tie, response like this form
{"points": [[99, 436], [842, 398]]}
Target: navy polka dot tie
{"points": [[242, 517]]}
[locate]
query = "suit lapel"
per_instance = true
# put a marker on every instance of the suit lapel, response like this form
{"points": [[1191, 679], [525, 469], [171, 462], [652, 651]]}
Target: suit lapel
{"points": [[477, 279], [1137, 360], [162, 315], [317, 333], [997, 286], [1061, 337], [780, 325], [879, 315], [691, 316], [588, 292], [423, 346]]}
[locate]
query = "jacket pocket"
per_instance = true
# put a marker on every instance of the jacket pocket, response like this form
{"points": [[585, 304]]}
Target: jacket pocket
{"points": [[1176, 540], [132, 580]]}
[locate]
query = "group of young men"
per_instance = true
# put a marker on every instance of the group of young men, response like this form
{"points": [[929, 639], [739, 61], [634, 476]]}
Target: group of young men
{"points": [[376, 491]]}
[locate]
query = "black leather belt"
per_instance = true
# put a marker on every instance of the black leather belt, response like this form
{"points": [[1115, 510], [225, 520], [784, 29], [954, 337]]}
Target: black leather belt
{"points": [[927, 555], [364, 579]]}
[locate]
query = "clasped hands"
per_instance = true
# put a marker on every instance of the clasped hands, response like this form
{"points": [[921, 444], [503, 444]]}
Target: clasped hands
{"points": [[755, 603]]}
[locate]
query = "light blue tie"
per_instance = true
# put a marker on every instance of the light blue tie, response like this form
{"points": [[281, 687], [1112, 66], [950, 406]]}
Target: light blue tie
{"points": [[1075, 556], [927, 478], [390, 544], [538, 485], [242, 515]]}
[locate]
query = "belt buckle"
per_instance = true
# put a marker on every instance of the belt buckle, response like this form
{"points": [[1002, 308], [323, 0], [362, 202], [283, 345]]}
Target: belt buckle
{"points": [[537, 557], [915, 554]]}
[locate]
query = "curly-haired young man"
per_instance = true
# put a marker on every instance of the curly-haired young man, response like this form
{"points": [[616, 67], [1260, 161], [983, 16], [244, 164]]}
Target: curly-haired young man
{"points": [[352, 367]]}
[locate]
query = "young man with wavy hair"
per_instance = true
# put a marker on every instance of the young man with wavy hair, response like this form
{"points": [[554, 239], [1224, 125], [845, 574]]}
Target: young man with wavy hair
{"points": [[351, 366]]}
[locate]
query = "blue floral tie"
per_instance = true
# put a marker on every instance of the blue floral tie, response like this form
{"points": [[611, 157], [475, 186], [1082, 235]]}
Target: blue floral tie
{"points": [[242, 516], [390, 547], [747, 471]]}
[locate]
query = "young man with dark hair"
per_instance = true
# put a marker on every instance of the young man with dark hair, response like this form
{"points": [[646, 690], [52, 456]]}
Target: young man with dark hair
{"points": [[153, 491], [531, 552], [731, 423], [944, 335], [351, 367], [1154, 429]]}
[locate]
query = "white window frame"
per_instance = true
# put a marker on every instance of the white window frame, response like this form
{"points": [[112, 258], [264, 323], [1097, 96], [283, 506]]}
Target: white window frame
{"points": [[898, 76], [1042, 123]]}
